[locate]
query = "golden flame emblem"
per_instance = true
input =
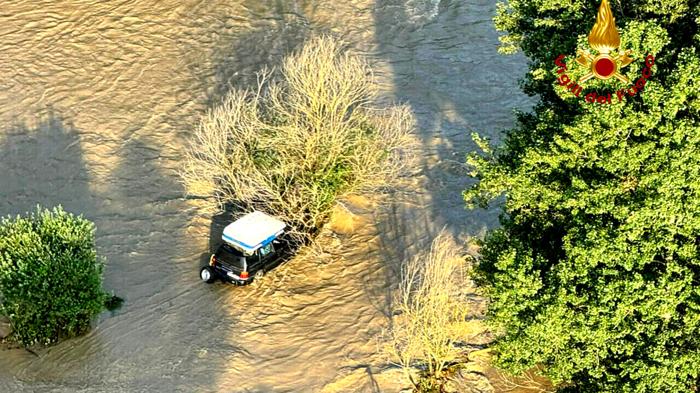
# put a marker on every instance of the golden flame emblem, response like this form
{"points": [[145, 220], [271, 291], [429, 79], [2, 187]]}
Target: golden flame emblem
{"points": [[604, 38]]}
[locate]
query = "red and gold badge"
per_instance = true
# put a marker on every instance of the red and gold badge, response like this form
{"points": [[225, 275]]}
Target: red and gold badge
{"points": [[604, 38]]}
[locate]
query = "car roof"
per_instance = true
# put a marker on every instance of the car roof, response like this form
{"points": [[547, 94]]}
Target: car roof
{"points": [[252, 231]]}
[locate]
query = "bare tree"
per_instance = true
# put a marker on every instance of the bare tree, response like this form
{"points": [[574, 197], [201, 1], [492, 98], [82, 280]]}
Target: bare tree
{"points": [[431, 311], [306, 136]]}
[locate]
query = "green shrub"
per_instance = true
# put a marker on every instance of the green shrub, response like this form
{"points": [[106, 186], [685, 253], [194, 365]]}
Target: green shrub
{"points": [[595, 272], [50, 275]]}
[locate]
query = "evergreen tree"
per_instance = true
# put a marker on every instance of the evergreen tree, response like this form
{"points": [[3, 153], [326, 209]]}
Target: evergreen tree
{"points": [[594, 275]]}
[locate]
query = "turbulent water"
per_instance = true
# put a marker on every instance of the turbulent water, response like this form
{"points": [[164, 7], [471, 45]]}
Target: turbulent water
{"points": [[97, 99]]}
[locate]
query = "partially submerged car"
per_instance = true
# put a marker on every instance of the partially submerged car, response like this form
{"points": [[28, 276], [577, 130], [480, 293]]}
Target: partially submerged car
{"points": [[251, 247]]}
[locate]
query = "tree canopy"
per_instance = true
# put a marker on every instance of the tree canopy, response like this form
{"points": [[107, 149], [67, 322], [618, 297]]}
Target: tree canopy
{"points": [[50, 275], [594, 274]]}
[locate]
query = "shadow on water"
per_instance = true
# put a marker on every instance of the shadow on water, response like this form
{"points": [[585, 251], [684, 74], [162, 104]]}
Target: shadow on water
{"points": [[176, 319], [444, 62], [216, 229], [445, 65], [166, 328], [43, 164]]}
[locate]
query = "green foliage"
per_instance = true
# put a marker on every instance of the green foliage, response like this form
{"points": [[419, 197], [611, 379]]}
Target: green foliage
{"points": [[429, 384], [50, 275], [595, 273]]}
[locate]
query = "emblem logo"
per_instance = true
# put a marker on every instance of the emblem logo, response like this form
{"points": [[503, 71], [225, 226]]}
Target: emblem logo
{"points": [[604, 38]]}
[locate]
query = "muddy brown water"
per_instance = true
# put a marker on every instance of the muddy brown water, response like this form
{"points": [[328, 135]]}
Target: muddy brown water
{"points": [[96, 101]]}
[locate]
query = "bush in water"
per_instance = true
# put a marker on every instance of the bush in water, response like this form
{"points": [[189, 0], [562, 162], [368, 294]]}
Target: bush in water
{"points": [[431, 311], [298, 142], [50, 275]]}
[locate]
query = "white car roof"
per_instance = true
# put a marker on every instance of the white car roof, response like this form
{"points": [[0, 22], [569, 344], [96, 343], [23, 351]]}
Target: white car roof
{"points": [[252, 231]]}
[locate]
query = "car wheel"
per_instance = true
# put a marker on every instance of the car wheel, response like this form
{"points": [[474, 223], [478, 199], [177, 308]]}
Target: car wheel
{"points": [[207, 275]]}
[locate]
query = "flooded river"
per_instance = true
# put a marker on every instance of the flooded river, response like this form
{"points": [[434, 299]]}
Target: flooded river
{"points": [[97, 99]]}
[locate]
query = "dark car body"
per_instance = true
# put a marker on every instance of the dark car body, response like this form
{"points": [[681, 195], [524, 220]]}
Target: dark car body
{"points": [[231, 265]]}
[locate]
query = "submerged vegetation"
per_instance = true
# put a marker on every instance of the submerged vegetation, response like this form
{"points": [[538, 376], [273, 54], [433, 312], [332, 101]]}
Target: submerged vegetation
{"points": [[308, 134], [431, 315], [50, 275], [595, 272]]}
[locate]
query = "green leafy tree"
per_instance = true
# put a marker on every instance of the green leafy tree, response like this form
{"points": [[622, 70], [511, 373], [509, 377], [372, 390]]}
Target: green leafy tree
{"points": [[594, 275], [50, 275]]}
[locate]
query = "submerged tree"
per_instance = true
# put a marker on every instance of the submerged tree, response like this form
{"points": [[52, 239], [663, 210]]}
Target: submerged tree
{"points": [[50, 275], [309, 134], [595, 273], [431, 312]]}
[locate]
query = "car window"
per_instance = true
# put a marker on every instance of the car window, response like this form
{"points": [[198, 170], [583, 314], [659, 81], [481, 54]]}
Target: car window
{"points": [[265, 251], [230, 256], [226, 247]]}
